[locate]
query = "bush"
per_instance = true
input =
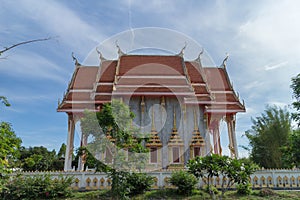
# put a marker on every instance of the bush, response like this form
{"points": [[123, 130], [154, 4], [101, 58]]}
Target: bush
{"points": [[36, 187], [265, 192], [244, 189], [184, 181], [139, 183], [210, 189]]}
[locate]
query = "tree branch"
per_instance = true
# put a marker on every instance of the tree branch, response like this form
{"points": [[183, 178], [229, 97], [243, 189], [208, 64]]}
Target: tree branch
{"points": [[22, 43]]}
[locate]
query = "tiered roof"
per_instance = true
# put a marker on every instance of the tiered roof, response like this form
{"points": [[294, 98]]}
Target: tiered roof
{"points": [[151, 75], [154, 140], [175, 139], [197, 139]]}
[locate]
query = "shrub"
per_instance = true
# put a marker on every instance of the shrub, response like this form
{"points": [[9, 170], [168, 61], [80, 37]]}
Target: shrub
{"points": [[125, 184], [210, 189], [184, 181], [266, 192], [244, 189], [36, 187], [139, 183]]}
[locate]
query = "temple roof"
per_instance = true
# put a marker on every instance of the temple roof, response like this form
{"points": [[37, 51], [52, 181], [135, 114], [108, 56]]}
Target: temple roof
{"points": [[151, 75]]}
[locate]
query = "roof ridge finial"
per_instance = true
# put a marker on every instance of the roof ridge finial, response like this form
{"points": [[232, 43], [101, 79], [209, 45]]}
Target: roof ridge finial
{"points": [[195, 122], [120, 52], [174, 119], [153, 121], [75, 59], [101, 57], [225, 60], [181, 53], [198, 59]]}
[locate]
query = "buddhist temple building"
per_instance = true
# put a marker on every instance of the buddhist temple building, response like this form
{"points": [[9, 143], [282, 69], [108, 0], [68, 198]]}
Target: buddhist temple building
{"points": [[179, 102]]}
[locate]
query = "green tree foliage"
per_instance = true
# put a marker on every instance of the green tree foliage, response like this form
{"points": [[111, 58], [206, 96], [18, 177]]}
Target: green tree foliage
{"points": [[139, 182], [37, 158], [236, 171], [184, 181], [268, 135], [62, 151], [41, 159], [37, 187], [291, 151], [115, 120], [9, 146], [296, 93], [4, 100]]}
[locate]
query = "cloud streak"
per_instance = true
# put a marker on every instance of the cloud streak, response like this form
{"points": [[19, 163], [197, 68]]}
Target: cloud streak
{"points": [[275, 66], [28, 65], [57, 19]]}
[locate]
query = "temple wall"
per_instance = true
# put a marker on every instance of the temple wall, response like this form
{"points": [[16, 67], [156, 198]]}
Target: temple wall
{"points": [[163, 118], [89, 180]]}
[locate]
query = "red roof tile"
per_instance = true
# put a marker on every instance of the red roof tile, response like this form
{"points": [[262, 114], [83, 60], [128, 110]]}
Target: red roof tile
{"points": [[85, 77], [154, 65]]}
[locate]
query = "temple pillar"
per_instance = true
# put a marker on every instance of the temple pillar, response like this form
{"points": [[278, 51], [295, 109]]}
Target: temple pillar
{"points": [[216, 138], [230, 120], [214, 127], [70, 143], [82, 159]]}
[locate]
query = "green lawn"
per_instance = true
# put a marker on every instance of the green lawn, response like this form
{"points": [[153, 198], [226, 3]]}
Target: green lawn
{"points": [[170, 194]]}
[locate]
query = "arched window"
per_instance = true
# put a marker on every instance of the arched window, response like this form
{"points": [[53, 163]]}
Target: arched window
{"points": [[176, 155], [153, 155]]}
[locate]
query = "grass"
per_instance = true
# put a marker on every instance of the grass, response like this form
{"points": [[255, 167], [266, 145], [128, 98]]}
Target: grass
{"points": [[170, 194]]}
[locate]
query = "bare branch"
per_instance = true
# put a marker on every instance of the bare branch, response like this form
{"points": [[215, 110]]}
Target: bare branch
{"points": [[22, 43]]}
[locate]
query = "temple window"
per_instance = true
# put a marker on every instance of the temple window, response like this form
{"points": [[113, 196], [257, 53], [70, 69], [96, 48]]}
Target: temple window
{"points": [[176, 155], [153, 155], [196, 151]]}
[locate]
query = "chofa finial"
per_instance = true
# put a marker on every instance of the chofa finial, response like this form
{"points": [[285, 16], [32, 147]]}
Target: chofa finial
{"points": [[75, 59], [181, 53], [120, 52], [225, 60], [100, 55], [199, 55]]}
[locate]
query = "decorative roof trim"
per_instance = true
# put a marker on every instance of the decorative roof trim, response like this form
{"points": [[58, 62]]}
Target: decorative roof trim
{"points": [[152, 93], [152, 86], [154, 76], [223, 111], [104, 83], [75, 110], [80, 90]]}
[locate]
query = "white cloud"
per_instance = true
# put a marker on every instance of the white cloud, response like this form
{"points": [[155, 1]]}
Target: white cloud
{"points": [[275, 66], [31, 65], [275, 28], [59, 20]]}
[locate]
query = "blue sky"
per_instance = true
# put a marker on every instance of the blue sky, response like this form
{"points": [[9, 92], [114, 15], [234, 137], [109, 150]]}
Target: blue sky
{"points": [[262, 38]]}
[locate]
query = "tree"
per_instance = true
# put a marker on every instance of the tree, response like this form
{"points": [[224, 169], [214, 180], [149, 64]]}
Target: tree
{"points": [[291, 151], [112, 128], [4, 100], [62, 151], [268, 135], [37, 158], [296, 93], [9, 145], [184, 181], [230, 171]]}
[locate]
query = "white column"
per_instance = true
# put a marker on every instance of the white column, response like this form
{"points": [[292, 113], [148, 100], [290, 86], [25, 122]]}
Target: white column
{"points": [[82, 159], [216, 138], [230, 119], [70, 143]]}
